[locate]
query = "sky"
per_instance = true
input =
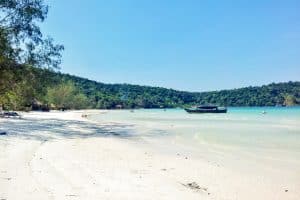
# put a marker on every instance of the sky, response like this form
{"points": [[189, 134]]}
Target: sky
{"points": [[192, 45]]}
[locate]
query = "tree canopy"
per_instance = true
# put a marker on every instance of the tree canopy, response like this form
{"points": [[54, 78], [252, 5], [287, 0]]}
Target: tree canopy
{"points": [[23, 48], [21, 39], [66, 96], [66, 91]]}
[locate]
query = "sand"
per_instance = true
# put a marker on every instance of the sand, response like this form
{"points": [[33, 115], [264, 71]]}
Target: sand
{"points": [[60, 155]]}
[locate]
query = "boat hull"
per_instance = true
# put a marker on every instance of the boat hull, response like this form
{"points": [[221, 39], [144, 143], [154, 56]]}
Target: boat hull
{"points": [[206, 111]]}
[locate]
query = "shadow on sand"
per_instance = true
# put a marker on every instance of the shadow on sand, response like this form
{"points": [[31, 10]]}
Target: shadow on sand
{"points": [[49, 129]]}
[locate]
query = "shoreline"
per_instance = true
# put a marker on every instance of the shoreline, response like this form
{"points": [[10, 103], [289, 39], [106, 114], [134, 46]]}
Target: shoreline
{"points": [[60, 155]]}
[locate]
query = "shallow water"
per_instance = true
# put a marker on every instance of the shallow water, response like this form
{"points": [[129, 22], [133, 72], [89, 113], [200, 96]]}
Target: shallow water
{"points": [[243, 130]]}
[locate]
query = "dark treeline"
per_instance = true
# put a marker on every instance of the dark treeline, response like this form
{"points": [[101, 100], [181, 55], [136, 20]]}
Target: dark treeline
{"points": [[268, 95], [29, 86], [57, 90], [135, 96], [103, 95]]}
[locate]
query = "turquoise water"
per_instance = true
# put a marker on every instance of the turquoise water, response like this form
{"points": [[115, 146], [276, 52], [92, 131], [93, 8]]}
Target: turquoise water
{"points": [[241, 128]]}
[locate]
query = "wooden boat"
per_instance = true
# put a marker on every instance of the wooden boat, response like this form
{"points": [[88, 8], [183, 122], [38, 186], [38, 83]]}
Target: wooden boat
{"points": [[206, 109]]}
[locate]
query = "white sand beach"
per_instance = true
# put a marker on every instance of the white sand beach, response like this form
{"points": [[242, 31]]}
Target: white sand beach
{"points": [[60, 155]]}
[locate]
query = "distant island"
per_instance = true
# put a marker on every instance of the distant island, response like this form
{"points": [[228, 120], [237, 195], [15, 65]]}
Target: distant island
{"points": [[30, 88]]}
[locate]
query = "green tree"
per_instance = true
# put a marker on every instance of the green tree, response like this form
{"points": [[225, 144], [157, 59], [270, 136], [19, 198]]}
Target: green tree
{"points": [[66, 96], [22, 45], [21, 38], [289, 100]]}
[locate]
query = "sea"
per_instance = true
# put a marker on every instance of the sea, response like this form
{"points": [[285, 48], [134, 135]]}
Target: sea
{"points": [[263, 134]]}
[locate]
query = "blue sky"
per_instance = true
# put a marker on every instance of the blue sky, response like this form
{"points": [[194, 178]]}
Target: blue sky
{"points": [[189, 45]]}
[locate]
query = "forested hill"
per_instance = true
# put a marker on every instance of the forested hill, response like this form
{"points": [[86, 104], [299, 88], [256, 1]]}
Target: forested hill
{"points": [[130, 96], [62, 90], [287, 93]]}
